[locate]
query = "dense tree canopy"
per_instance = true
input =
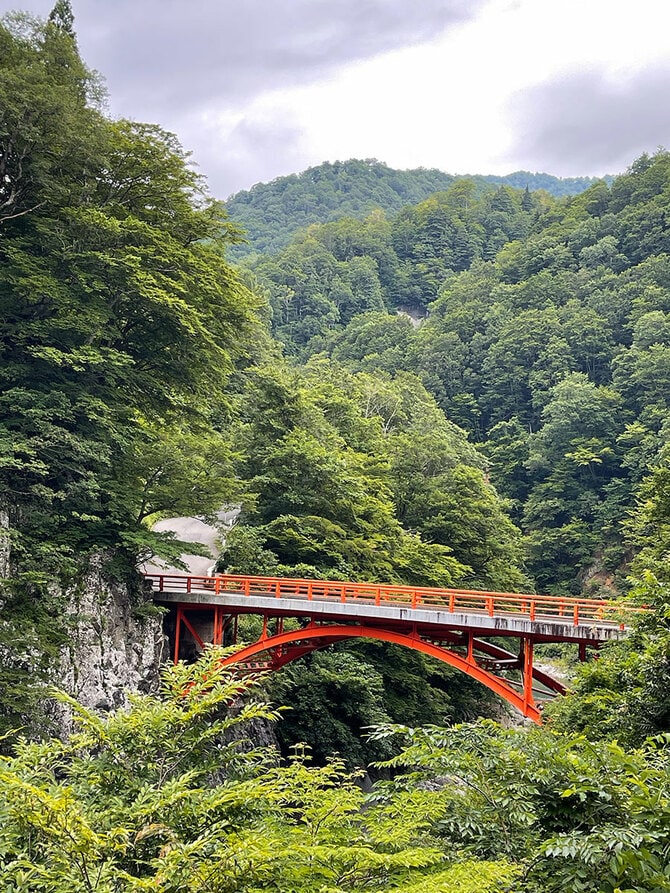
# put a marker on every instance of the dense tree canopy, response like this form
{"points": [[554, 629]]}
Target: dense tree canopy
{"points": [[538, 325], [272, 212], [120, 323], [120, 319], [362, 477]]}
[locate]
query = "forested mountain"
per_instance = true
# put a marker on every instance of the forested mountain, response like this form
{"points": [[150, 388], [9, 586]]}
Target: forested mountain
{"points": [[545, 338], [472, 389], [270, 213]]}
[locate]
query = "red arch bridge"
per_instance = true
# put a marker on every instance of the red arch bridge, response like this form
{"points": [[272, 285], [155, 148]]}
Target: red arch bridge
{"points": [[463, 628]]}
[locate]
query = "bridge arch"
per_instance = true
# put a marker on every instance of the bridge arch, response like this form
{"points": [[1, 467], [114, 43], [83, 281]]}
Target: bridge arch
{"points": [[285, 647], [462, 628]]}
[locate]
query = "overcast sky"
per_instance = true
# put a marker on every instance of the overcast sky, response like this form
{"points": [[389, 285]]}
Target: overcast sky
{"points": [[260, 88]]}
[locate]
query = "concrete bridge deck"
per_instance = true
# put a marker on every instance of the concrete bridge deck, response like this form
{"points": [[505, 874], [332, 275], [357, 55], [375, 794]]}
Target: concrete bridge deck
{"points": [[431, 618]]}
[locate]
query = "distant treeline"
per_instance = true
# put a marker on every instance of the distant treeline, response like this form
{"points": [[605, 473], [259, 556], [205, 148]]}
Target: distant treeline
{"points": [[270, 213]]}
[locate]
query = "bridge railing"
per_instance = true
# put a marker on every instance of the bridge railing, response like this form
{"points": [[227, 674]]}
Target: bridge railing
{"points": [[572, 610]]}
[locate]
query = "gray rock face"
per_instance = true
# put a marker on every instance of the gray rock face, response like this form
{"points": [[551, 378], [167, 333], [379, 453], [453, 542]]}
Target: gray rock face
{"points": [[115, 646], [4, 544]]}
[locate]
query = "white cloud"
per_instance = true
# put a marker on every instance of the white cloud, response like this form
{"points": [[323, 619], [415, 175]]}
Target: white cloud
{"points": [[265, 87]]}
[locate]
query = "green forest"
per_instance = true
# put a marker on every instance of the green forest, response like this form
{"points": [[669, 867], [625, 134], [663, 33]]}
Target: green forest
{"points": [[400, 377], [271, 213]]}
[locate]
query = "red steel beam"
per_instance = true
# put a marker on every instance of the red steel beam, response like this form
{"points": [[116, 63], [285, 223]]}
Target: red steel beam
{"points": [[524, 703]]}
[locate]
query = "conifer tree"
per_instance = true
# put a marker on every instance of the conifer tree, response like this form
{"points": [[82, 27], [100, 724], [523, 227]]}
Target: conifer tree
{"points": [[62, 17]]}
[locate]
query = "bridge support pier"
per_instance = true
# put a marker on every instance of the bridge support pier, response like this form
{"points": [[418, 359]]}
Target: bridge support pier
{"points": [[527, 662]]}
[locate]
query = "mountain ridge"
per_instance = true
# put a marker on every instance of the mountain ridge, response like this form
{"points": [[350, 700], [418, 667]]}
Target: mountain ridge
{"points": [[270, 213]]}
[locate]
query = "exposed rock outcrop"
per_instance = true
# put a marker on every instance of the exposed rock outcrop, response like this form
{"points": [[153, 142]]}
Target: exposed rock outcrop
{"points": [[4, 544], [195, 530], [115, 644]]}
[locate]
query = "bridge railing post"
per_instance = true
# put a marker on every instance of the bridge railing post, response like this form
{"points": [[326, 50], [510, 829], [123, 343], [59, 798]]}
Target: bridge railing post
{"points": [[217, 634]]}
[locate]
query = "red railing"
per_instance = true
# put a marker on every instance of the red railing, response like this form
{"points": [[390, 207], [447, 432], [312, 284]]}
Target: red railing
{"points": [[573, 610]]}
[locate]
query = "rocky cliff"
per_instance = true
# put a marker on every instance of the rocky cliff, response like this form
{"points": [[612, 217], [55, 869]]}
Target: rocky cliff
{"points": [[115, 644]]}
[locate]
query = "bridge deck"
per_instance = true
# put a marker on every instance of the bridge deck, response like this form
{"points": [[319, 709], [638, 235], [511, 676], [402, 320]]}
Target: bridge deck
{"points": [[544, 618]]}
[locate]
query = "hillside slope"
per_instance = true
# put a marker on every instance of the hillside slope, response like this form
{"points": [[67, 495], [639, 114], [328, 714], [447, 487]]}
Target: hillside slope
{"points": [[272, 212], [547, 338]]}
